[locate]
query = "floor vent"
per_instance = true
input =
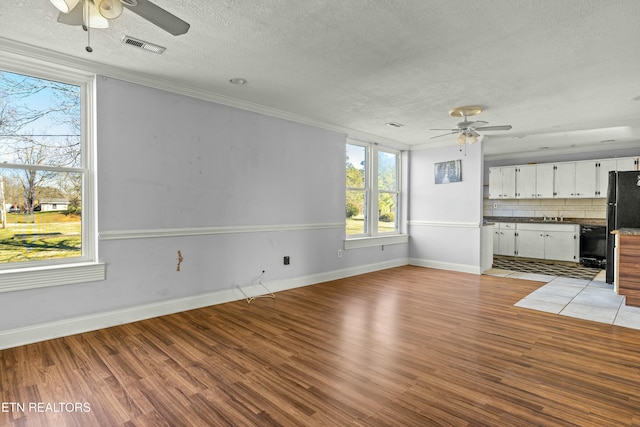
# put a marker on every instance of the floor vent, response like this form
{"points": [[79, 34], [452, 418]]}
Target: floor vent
{"points": [[143, 45]]}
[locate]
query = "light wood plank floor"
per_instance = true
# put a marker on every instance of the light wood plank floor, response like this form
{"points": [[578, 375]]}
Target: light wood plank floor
{"points": [[408, 346]]}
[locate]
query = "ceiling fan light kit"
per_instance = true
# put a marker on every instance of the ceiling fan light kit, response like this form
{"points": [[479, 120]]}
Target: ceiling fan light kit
{"points": [[97, 13], [92, 18], [110, 9], [65, 6], [467, 129], [468, 138]]}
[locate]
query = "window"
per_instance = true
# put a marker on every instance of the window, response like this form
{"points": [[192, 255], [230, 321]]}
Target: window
{"points": [[46, 178], [357, 191], [373, 190]]}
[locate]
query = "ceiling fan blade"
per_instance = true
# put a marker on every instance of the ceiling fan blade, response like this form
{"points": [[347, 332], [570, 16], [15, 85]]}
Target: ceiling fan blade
{"points": [[444, 134], [501, 127], [449, 129], [158, 16], [74, 17], [478, 123]]}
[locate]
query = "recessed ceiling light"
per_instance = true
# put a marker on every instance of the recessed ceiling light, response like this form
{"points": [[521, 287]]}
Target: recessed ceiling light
{"points": [[238, 81], [395, 124], [607, 141], [543, 148]]}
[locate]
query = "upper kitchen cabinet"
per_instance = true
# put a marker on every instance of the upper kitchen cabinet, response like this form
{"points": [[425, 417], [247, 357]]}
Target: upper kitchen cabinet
{"points": [[502, 182], [534, 181], [544, 181], [608, 165], [526, 182], [565, 180], [587, 178], [576, 179], [627, 164]]}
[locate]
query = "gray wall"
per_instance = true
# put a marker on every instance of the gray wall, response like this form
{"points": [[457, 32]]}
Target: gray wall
{"points": [[233, 190], [445, 219]]}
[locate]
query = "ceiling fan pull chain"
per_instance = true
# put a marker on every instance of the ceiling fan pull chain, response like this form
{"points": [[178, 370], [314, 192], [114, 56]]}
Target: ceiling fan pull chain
{"points": [[88, 26]]}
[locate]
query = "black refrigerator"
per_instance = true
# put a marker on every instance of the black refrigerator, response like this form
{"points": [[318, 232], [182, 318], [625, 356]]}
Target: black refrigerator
{"points": [[623, 210]]}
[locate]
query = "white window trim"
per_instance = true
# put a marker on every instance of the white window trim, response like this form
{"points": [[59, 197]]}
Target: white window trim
{"points": [[373, 237], [76, 270], [376, 191], [366, 242]]}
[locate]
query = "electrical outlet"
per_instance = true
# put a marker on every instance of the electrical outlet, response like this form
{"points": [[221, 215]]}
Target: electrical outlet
{"points": [[339, 253], [495, 206], [287, 260]]}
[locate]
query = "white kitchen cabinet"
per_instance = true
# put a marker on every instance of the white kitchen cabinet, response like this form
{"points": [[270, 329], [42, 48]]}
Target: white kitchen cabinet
{"points": [[502, 182], [627, 164], [561, 245], [559, 242], [608, 165], [504, 238], [530, 244], [526, 182], [565, 180], [544, 180], [586, 181], [550, 241], [576, 179]]}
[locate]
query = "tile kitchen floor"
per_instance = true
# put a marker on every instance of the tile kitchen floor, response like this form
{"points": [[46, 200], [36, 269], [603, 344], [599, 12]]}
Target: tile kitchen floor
{"points": [[593, 300]]}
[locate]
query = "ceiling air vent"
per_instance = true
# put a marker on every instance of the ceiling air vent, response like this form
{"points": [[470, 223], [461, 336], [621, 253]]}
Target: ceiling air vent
{"points": [[143, 45]]}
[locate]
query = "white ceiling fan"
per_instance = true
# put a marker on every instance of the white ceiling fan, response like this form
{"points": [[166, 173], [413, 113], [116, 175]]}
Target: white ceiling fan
{"points": [[98, 13], [467, 129]]}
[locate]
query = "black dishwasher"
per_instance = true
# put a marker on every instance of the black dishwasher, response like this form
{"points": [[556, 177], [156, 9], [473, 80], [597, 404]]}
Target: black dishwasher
{"points": [[593, 246]]}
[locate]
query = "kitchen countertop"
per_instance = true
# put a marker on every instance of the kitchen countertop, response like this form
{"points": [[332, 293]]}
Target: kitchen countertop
{"points": [[627, 231], [541, 220]]}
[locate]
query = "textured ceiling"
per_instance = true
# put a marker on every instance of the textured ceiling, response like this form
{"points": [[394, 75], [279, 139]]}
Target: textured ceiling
{"points": [[563, 73]]}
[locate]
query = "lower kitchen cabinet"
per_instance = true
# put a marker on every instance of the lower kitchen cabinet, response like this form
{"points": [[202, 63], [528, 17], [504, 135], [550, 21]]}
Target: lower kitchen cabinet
{"points": [[530, 244], [562, 245], [504, 238], [559, 242]]}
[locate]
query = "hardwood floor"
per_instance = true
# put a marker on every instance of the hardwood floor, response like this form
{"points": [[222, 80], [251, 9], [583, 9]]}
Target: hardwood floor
{"points": [[408, 346]]}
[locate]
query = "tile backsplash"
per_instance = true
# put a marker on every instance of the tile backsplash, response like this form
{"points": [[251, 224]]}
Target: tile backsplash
{"points": [[567, 208]]}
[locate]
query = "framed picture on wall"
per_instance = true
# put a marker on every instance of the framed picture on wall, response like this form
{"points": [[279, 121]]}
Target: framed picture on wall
{"points": [[447, 172]]}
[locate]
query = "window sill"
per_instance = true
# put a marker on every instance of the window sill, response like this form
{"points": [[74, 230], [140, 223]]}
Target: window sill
{"points": [[55, 275], [366, 242]]}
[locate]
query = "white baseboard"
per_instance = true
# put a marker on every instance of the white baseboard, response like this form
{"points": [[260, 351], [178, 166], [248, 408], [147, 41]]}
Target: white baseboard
{"points": [[62, 328], [463, 268]]}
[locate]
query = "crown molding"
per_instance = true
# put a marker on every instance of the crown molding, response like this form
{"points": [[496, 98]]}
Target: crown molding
{"points": [[45, 58]]}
